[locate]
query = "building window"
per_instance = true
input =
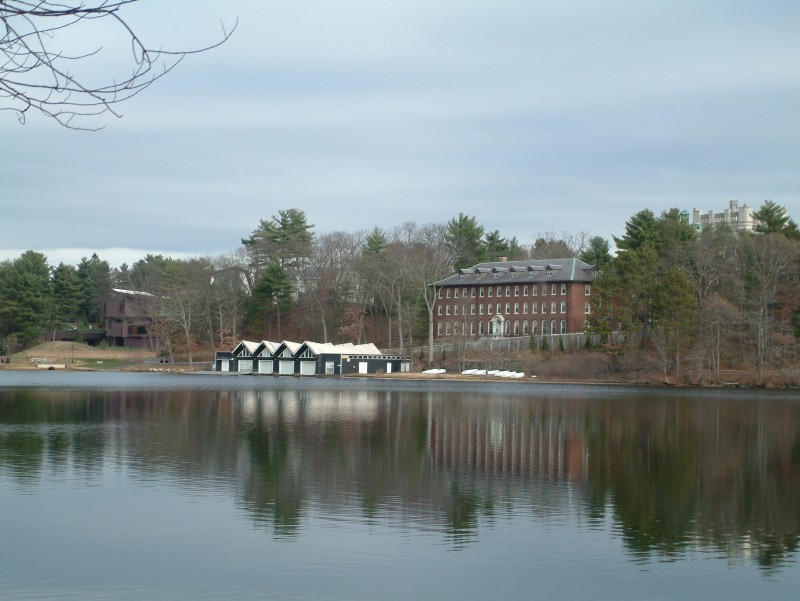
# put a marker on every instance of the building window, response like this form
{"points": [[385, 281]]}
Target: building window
{"points": [[455, 309], [489, 309], [525, 290], [534, 308], [544, 289], [472, 328], [464, 292], [508, 290], [480, 309], [439, 310], [563, 307], [480, 328], [440, 293], [552, 307], [553, 289], [455, 293], [499, 291], [507, 327], [525, 328], [447, 328], [499, 309], [544, 328], [587, 308], [516, 308], [448, 293], [447, 310], [563, 288], [516, 328], [524, 308], [439, 329], [544, 308], [489, 292], [587, 290], [456, 329], [549, 273], [472, 292], [481, 293], [495, 274], [535, 327], [472, 309], [553, 326], [563, 326]]}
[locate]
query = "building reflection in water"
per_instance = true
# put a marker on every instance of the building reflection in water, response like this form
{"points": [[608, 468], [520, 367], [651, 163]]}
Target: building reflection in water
{"points": [[671, 474]]}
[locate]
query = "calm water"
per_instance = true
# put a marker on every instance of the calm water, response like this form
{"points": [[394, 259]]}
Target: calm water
{"points": [[134, 486]]}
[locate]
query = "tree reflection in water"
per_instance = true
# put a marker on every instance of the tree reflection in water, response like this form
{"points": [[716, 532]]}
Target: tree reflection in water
{"points": [[676, 473]]}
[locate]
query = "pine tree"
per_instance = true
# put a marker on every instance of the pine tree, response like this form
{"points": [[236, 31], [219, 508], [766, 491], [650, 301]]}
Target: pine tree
{"points": [[25, 296]]}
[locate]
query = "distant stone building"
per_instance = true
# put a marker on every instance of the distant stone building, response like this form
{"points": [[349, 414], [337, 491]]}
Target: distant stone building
{"points": [[739, 218]]}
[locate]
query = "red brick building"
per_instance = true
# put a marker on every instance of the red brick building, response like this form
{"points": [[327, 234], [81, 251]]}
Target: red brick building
{"points": [[514, 298]]}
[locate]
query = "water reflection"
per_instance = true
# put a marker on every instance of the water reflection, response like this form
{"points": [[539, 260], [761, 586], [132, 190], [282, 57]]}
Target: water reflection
{"points": [[672, 475]]}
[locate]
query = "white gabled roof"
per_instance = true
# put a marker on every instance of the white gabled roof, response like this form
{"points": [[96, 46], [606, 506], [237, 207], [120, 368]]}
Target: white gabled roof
{"points": [[131, 292], [292, 346], [318, 348], [270, 346], [250, 346], [365, 349]]}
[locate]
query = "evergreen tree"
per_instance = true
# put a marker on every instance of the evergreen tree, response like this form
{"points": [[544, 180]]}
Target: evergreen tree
{"points": [[285, 238], [95, 279], [270, 299], [67, 295], [598, 253], [773, 219], [151, 273], [496, 246], [463, 236], [641, 229], [674, 233], [375, 243], [25, 296]]}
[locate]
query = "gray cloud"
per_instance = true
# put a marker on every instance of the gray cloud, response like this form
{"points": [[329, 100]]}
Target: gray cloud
{"points": [[533, 116]]}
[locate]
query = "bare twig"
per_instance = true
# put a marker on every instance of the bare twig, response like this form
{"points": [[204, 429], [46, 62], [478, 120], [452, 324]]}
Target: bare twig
{"points": [[35, 73]]}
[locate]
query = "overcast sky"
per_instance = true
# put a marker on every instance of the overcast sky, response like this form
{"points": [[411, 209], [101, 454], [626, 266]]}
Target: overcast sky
{"points": [[532, 116]]}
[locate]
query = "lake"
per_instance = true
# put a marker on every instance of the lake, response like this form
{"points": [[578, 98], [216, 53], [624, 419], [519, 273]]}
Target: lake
{"points": [[158, 486]]}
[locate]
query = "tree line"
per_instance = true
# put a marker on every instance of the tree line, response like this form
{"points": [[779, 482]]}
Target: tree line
{"points": [[686, 301], [698, 304]]}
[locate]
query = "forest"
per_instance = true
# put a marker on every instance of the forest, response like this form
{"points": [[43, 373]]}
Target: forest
{"points": [[691, 304]]}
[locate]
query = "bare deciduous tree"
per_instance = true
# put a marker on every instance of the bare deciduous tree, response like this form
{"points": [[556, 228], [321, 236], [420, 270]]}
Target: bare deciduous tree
{"points": [[37, 69]]}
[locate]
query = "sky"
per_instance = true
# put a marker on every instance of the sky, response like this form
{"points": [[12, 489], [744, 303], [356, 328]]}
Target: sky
{"points": [[532, 116]]}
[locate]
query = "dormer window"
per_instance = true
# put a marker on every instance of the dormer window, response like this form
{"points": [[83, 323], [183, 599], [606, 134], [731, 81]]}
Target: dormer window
{"points": [[495, 274], [549, 273]]}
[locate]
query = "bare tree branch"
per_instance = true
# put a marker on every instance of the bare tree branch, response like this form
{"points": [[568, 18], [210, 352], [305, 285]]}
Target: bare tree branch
{"points": [[35, 71]]}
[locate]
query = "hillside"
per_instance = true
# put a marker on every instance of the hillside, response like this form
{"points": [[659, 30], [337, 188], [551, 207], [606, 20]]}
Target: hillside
{"points": [[75, 354]]}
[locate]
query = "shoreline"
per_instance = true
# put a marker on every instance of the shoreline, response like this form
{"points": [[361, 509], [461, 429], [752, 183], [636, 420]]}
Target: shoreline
{"points": [[184, 369]]}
